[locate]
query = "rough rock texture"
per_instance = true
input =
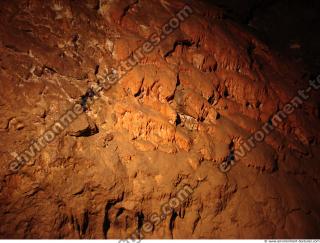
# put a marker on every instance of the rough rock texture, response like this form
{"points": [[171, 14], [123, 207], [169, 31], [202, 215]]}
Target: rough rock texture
{"points": [[170, 122]]}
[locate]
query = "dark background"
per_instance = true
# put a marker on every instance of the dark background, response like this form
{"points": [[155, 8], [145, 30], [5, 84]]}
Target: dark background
{"points": [[282, 23]]}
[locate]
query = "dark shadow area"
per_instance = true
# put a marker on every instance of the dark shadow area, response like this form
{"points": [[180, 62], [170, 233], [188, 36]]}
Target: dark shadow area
{"points": [[291, 27]]}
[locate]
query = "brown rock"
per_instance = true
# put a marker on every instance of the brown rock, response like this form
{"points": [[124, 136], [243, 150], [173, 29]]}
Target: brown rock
{"points": [[159, 135]]}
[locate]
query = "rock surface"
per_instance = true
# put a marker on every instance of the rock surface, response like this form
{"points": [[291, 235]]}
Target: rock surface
{"points": [[168, 123]]}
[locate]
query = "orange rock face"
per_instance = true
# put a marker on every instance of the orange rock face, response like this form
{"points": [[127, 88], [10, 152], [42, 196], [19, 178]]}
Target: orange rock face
{"points": [[193, 103]]}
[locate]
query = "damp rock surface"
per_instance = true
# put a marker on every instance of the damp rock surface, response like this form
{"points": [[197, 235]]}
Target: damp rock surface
{"points": [[170, 122]]}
